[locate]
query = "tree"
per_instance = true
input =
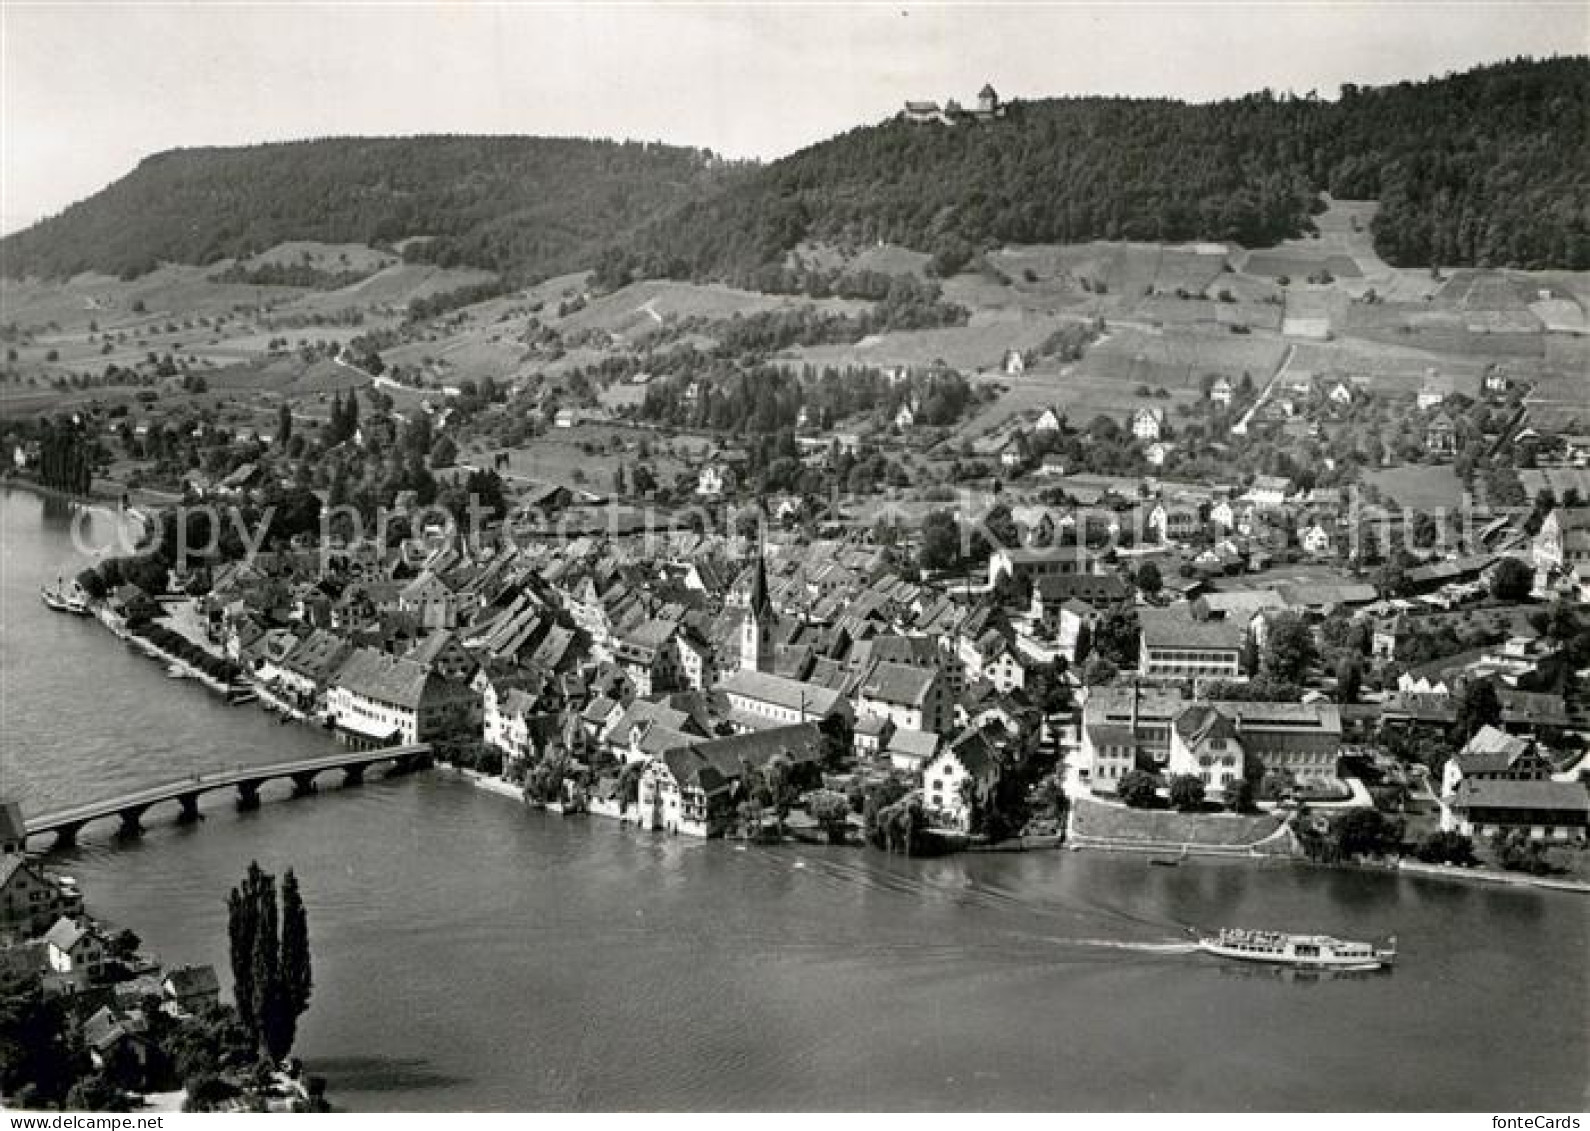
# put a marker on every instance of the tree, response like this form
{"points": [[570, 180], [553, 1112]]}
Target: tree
{"points": [[1118, 637], [1511, 580], [1478, 706], [1187, 792], [297, 973], [1289, 649], [831, 811], [1239, 795], [1099, 671], [1446, 848], [271, 975], [1366, 832], [1149, 579], [1138, 790], [284, 425], [37, 1055], [941, 541], [444, 453], [1349, 679]]}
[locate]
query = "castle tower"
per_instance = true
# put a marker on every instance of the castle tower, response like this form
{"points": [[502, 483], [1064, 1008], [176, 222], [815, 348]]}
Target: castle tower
{"points": [[756, 631], [988, 100]]}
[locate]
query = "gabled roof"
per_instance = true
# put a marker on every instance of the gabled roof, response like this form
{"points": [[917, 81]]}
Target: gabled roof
{"points": [[901, 684], [66, 934], [714, 764], [187, 981], [13, 826], [1172, 628], [387, 679], [781, 692], [1568, 798]]}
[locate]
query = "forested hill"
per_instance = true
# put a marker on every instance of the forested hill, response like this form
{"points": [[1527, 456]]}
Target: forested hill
{"points": [[527, 206], [1488, 167]]}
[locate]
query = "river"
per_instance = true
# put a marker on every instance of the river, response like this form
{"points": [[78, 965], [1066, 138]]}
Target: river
{"points": [[472, 955]]}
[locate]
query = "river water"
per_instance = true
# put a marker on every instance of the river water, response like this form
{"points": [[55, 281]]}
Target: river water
{"points": [[472, 955]]}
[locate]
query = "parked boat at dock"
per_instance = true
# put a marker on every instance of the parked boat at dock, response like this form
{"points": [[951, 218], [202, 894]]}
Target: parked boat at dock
{"points": [[62, 600], [1318, 952]]}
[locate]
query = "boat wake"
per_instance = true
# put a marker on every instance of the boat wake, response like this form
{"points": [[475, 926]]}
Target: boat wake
{"points": [[1139, 947]]}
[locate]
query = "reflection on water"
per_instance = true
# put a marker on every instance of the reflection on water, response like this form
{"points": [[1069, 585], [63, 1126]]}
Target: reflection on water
{"points": [[472, 955]]}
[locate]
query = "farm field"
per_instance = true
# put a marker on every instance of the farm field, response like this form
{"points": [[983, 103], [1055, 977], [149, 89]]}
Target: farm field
{"points": [[559, 458], [1421, 486], [1558, 480], [641, 308], [980, 345]]}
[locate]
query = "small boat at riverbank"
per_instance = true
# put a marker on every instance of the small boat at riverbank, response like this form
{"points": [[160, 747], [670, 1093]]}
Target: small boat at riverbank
{"points": [[1311, 952], [60, 600]]}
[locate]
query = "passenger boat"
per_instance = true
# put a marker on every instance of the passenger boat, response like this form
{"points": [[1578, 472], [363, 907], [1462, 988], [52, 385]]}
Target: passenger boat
{"points": [[1316, 952]]}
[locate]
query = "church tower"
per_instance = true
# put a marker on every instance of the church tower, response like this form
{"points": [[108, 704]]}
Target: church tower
{"points": [[756, 631]]}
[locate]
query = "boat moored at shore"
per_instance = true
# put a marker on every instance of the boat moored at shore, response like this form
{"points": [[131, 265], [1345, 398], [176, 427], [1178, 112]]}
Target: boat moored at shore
{"points": [[61, 599], [1317, 952]]}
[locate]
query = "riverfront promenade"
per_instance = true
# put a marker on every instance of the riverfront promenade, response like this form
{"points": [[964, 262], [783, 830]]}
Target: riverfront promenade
{"points": [[129, 808]]}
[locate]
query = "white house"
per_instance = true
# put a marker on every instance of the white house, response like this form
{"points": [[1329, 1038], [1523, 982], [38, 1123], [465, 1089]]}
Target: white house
{"points": [[377, 698], [1434, 390], [1148, 423], [1048, 421], [760, 700], [1220, 391], [75, 950], [968, 759], [1315, 540], [714, 480], [912, 698]]}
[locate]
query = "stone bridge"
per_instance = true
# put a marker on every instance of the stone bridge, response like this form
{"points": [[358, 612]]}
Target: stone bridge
{"points": [[129, 809]]}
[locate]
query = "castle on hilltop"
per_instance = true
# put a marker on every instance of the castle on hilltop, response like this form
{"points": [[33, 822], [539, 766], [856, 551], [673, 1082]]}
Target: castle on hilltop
{"points": [[988, 108]]}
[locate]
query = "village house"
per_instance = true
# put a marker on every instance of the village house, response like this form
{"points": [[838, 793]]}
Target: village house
{"points": [[1563, 541], [380, 699], [1440, 436], [1269, 490], [1148, 424], [1014, 365], [1494, 755], [1027, 564], [1051, 594], [75, 951], [910, 697], [1220, 392], [969, 759], [648, 655], [432, 601], [1174, 645], [1174, 522], [1315, 540], [695, 789], [1049, 421], [1541, 810], [715, 480], [762, 700], [911, 750], [191, 990], [31, 899], [1433, 392]]}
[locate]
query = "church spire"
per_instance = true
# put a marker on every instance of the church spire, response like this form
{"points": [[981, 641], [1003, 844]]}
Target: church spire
{"points": [[761, 605]]}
